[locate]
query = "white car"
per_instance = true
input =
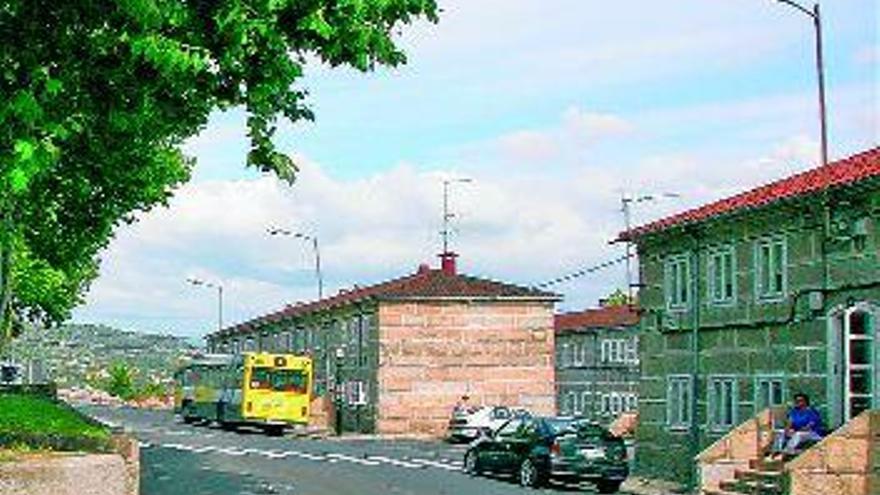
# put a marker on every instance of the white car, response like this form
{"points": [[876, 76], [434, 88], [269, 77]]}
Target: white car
{"points": [[470, 423]]}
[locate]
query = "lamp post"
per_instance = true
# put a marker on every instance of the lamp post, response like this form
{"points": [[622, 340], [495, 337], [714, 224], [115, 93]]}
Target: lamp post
{"points": [[816, 17], [337, 389], [219, 287], [313, 239], [626, 203], [447, 216]]}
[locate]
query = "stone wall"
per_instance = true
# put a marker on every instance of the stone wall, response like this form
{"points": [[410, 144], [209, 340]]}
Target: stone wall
{"points": [[432, 353], [844, 462], [75, 474]]}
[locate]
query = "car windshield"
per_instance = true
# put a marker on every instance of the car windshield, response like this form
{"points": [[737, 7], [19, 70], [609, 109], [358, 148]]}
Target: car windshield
{"points": [[561, 425]]}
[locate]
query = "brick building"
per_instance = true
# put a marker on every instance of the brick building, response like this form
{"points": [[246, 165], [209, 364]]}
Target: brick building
{"points": [[752, 298], [414, 345], [597, 362]]}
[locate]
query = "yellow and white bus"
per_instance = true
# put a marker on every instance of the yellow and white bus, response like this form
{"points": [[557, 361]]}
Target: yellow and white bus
{"points": [[271, 391]]}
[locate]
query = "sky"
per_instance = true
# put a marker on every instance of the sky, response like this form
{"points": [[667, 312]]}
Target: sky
{"points": [[554, 109]]}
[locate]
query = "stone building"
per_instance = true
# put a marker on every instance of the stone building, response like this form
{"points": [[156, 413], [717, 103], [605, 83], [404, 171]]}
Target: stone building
{"points": [[597, 362], [412, 346], [752, 298]]}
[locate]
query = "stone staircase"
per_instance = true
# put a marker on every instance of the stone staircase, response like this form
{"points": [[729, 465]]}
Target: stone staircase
{"points": [[846, 462], [762, 477]]}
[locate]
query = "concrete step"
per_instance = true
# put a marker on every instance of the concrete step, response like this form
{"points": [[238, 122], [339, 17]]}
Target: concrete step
{"points": [[752, 487], [766, 464], [758, 475]]}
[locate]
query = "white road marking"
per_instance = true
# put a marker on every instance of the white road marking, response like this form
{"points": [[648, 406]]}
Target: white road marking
{"points": [[441, 465], [356, 460], [231, 451], [306, 455], [395, 462]]}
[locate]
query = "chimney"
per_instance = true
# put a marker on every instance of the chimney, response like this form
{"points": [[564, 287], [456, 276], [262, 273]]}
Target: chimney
{"points": [[447, 262], [423, 269]]}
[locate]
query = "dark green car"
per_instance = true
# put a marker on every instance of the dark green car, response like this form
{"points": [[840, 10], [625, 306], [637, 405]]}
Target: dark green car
{"points": [[542, 448]]}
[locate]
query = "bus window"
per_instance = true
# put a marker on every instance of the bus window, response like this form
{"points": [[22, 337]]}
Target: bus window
{"points": [[260, 378], [290, 381]]}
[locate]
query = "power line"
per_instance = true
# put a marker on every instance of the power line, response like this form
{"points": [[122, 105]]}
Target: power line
{"points": [[586, 271]]}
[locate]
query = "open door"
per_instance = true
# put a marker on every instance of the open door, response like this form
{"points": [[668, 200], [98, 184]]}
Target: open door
{"points": [[854, 362]]}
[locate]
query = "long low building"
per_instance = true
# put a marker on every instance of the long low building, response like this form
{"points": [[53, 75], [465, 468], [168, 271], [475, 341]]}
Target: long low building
{"points": [[405, 350]]}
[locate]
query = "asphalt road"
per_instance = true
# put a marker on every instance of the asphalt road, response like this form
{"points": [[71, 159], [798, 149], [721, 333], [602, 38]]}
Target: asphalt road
{"points": [[179, 459]]}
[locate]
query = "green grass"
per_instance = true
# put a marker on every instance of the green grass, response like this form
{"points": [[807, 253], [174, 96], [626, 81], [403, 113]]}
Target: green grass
{"points": [[41, 423]]}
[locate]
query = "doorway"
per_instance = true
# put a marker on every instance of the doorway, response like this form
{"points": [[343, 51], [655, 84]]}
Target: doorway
{"points": [[855, 370]]}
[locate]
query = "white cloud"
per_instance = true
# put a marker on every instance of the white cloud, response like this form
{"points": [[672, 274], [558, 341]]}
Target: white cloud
{"points": [[525, 227]]}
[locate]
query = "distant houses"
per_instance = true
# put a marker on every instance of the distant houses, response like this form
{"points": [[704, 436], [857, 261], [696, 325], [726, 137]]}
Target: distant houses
{"points": [[752, 298], [411, 347], [597, 362]]}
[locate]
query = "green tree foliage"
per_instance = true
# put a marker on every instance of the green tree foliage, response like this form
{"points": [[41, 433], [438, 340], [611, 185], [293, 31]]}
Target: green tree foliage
{"points": [[98, 96], [618, 298], [120, 383]]}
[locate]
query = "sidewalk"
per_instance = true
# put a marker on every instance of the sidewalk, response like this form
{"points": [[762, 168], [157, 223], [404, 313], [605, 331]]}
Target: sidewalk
{"points": [[648, 486]]}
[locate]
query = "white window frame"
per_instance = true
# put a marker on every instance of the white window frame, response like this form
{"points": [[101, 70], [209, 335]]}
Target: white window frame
{"points": [[356, 393], [679, 401], [717, 255], [729, 384], [577, 353], [632, 350], [763, 402], [761, 292], [672, 291], [571, 403]]}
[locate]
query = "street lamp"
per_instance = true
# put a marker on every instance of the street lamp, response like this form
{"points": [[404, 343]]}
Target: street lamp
{"points": [[626, 203], [308, 238], [219, 287], [340, 359], [447, 216], [816, 17]]}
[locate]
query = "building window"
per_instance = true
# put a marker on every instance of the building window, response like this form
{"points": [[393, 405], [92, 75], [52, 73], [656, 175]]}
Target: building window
{"points": [[563, 356], [356, 393], [722, 402], [722, 275], [619, 351], [571, 403], [577, 354], [678, 282], [585, 402], [678, 401], [770, 268], [769, 392], [632, 351]]}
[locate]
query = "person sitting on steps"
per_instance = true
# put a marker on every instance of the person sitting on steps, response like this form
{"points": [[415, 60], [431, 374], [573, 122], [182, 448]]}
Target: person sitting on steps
{"points": [[803, 427]]}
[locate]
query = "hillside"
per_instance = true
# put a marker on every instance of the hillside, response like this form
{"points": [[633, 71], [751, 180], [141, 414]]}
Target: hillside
{"points": [[80, 354]]}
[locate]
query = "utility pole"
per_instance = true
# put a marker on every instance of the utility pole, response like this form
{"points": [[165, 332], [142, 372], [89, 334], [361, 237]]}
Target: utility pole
{"points": [[626, 203], [816, 16]]}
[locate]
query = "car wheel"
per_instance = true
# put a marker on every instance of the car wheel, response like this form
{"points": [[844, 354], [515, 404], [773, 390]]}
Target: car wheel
{"points": [[471, 463], [529, 475], [608, 486]]}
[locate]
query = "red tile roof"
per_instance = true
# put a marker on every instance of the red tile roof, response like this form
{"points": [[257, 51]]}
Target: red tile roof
{"points": [[425, 284], [605, 317], [862, 166]]}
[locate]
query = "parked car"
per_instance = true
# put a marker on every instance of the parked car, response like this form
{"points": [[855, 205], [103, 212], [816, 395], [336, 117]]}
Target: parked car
{"points": [[470, 423], [537, 449]]}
